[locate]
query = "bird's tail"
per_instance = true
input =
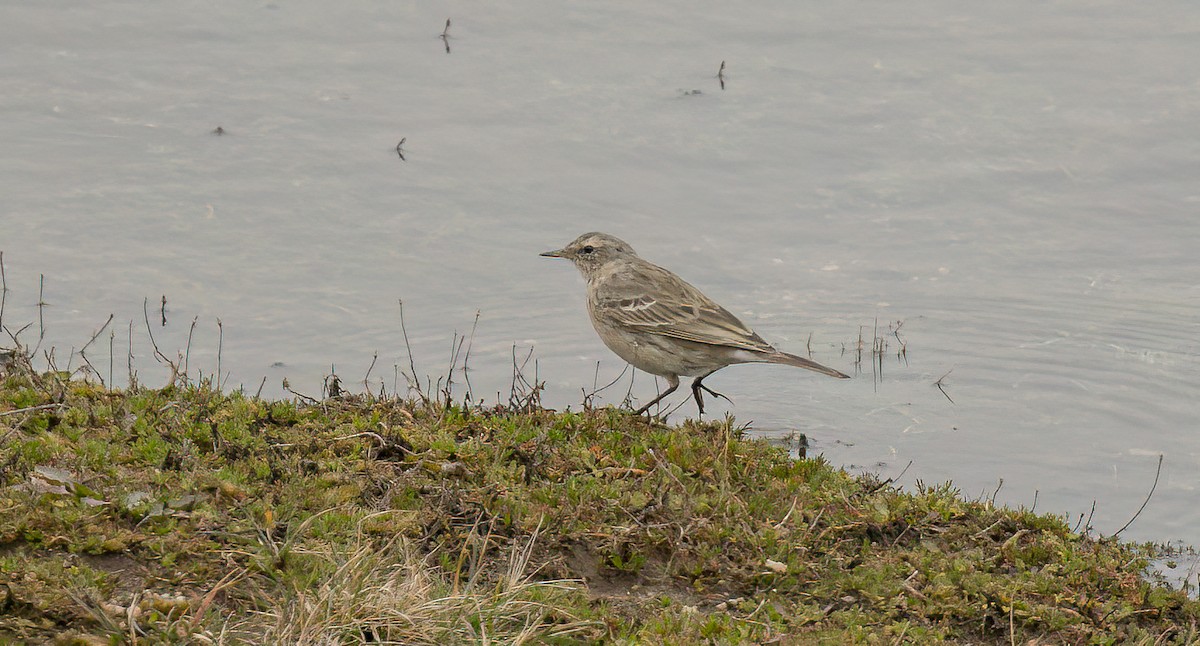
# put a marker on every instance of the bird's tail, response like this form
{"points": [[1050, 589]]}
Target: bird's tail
{"points": [[801, 362]]}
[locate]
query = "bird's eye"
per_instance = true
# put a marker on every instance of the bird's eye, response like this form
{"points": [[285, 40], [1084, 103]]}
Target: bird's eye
{"points": [[588, 249]]}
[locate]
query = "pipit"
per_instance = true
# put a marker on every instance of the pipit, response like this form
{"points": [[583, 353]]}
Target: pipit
{"points": [[662, 325]]}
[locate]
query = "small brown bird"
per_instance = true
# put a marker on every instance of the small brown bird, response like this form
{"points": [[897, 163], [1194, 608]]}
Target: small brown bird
{"points": [[662, 325]]}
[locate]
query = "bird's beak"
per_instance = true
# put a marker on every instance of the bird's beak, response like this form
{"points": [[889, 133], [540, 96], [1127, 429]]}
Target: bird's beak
{"points": [[553, 254]]}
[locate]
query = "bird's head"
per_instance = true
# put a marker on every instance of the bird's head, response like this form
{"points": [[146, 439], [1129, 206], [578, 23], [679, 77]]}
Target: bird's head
{"points": [[591, 251]]}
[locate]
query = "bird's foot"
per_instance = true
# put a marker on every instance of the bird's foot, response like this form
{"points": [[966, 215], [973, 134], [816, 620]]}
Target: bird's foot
{"points": [[697, 386]]}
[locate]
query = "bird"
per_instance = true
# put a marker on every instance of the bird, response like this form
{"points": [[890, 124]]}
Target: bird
{"points": [[661, 324]]}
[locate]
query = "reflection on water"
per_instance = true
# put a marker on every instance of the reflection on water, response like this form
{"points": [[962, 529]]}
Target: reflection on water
{"points": [[1015, 185]]}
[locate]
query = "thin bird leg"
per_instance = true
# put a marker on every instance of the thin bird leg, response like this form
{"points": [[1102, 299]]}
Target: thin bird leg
{"points": [[697, 387], [673, 382]]}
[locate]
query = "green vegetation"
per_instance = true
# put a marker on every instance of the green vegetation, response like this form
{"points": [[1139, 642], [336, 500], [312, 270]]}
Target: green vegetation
{"points": [[187, 515]]}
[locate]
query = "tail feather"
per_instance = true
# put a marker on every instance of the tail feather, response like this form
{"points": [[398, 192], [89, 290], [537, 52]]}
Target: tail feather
{"points": [[801, 362]]}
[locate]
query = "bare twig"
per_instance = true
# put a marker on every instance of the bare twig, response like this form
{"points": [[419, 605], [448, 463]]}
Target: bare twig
{"points": [[523, 395], [41, 305], [456, 346], [158, 353], [129, 360], [3, 290], [83, 352], [877, 348], [1157, 473], [31, 409], [902, 353], [467, 357], [288, 387], [858, 351], [374, 436], [446, 36], [187, 352], [627, 401], [367, 377], [721, 75], [893, 479], [588, 398], [1080, 524], [220, 348], [414, 382], [940, 386]]}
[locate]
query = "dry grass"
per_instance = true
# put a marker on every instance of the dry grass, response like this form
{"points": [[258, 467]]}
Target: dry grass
{"points": [[391, 594]]}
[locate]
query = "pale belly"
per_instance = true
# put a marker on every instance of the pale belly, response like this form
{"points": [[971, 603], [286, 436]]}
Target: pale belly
{"points": [[659, 355]]}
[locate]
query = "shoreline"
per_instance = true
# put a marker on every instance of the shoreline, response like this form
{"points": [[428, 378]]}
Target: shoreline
{"points": [[184, 513]]}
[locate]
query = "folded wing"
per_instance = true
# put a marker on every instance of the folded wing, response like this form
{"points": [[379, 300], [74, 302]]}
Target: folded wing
{"points": [[667, 305]]}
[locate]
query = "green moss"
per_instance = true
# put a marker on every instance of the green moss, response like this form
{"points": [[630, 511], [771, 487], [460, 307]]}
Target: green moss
{"points": [[664, 534]]}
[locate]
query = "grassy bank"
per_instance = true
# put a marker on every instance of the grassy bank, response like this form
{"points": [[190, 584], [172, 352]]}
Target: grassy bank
{"points": [[185, 515]]}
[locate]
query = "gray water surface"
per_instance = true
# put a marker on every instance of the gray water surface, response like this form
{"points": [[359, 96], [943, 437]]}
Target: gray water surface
{"points": [[1017, 183]]}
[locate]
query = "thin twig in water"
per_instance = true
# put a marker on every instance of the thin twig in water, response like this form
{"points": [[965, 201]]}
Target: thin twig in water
{"points": [[902, 353], [876, 355], [940, 387], [1157, 473], [858, 351]]}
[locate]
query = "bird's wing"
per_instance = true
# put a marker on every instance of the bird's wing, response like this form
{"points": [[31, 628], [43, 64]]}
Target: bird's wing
{"points": [[651, 299]]}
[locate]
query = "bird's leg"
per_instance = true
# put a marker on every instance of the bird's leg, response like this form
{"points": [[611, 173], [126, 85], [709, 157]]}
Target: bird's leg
{"points": [[697, 387], [673, 382]]}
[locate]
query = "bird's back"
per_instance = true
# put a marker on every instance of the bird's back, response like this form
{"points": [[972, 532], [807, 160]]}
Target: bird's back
{"points": [[635, 294]]}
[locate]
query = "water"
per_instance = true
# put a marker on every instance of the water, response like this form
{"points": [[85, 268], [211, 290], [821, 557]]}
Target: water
{"points": [[1016, 183]]}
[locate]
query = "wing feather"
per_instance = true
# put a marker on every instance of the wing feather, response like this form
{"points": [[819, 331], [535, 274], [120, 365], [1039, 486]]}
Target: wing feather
{"points": [[651, 299]]}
